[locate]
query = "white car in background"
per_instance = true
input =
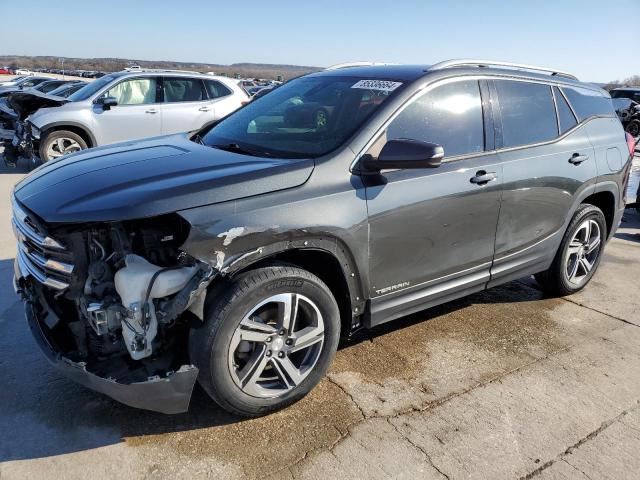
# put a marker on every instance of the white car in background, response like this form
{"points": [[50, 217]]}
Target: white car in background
{"points": [[130, 105]]}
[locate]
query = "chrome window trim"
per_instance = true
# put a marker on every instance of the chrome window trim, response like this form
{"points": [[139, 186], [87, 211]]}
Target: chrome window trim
{"points": [[428, 86]]}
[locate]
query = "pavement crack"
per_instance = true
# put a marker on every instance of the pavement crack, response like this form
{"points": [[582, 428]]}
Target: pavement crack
{"points": [[561, 457], [419, 448], [580, 304], [344, 390], [577, 469], [620, 319]]}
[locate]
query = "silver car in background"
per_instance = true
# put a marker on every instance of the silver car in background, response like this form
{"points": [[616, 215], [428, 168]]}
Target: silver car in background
{"points": [[130, 105]]}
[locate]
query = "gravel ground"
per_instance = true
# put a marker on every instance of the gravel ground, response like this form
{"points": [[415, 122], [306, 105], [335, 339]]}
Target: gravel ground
{"points": [[504, 384]]}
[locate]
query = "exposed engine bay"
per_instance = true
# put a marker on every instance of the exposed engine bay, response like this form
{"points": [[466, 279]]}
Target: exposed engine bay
{"points": [[15, 131], [117, 298]]}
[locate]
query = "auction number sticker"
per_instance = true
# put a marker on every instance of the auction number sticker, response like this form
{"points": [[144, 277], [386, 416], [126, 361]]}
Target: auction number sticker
{"points": [[382, 85]]}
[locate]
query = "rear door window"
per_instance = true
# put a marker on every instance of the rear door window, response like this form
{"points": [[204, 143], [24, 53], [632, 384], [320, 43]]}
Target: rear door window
{"points": [[216, 89], [528, 113], [565, 115], [587, 103], [449, 115], [183, 90]]}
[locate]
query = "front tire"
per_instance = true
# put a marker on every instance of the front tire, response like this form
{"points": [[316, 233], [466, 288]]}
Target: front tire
{"points": [[579, 253], [268, 338], [59, 143]]}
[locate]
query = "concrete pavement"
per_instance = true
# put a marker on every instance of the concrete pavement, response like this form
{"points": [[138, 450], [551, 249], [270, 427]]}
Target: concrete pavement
{"points": [[503, 384]]}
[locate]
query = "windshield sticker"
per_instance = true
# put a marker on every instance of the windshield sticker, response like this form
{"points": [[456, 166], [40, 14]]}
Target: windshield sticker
{"points": [[382, 85]]}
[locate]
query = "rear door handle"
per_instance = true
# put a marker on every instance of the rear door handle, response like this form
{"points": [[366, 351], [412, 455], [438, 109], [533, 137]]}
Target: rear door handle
{"points": [[151, 110], [482, 177], [203, 109], [577, 159]]}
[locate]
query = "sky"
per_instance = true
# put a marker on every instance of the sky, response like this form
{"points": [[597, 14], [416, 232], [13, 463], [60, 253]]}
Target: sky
{"points": [[588, 38]]}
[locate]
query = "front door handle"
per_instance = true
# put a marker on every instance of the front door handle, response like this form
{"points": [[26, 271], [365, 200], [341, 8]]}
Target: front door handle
{"points": [[203, 109], [482, 177], [577, 159], [151, 110]]}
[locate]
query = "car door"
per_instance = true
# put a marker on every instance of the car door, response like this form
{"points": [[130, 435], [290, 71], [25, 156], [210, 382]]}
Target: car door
{"points": [[432, 231], [137, 114], [186, 105], [547, 161]]}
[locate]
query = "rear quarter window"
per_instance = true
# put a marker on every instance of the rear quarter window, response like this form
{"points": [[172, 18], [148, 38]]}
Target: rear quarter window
{"points": [[587, 103], [565, 115], [216, 89]]}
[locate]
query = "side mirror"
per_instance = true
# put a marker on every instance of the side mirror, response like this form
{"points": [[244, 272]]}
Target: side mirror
{"points": [[107, 102], [405, 153]]}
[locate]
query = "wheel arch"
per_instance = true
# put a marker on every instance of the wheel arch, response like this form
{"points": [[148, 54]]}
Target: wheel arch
{"points": [[74, 127], [605, 200], [324, 257]]}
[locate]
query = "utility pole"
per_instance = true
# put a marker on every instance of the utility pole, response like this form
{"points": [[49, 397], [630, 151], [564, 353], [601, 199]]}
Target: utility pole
{"points": [[61, 59]]}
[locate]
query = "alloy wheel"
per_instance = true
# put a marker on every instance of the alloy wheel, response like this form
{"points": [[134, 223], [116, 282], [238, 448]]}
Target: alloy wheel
{"points": [[583, 251], [276, 345], [62, 146]]}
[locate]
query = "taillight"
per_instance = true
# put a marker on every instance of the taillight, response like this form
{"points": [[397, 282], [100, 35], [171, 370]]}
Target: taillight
{"points": [[631, 143]]}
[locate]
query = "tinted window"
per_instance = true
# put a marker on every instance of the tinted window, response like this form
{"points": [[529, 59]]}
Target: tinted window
{"points": [[449, 115], [216, 89], [48, 86], [587, 102], [528, 113], [137, 91], [565, 115], [183, 90], [30, 83]]}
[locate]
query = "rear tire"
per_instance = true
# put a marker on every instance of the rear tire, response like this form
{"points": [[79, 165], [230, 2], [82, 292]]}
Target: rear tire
{"points": [[59, 143], [251, 361], [579, 253]]}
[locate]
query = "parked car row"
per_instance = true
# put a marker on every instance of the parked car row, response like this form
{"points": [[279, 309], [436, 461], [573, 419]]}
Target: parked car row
{"points": [[117, 107], [58, 71]]}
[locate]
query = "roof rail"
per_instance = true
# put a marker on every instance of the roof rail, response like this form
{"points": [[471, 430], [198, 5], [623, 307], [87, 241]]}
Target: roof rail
{"points": [[491, 63], [356, 64], [157, 70]]}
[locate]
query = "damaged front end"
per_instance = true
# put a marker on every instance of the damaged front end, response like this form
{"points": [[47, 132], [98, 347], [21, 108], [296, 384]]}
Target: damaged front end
{"points": [[111, 304], [15, 131]]}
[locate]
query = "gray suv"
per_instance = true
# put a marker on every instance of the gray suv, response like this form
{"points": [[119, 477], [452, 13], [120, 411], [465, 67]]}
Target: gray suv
{"points": [[131, 105], [240, 254]]}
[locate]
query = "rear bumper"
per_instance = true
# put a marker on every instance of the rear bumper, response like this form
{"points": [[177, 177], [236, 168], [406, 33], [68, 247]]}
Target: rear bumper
{"points": [[170, 394]]}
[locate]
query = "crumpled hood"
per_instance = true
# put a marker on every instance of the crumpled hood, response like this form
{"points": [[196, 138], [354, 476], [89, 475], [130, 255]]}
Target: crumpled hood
{"points": [[140, 179], [26, 103]]}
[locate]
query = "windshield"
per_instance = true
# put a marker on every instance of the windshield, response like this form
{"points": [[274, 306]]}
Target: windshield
{"points": [[22, 80], [306, 117], [66, 90], [91, 88]]}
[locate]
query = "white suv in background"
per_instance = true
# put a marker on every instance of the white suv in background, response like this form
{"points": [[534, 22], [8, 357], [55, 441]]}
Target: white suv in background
{"points": [[131, 105]]}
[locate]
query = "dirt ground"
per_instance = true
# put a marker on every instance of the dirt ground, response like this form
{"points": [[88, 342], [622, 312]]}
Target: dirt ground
{"points": [[504, 384]]}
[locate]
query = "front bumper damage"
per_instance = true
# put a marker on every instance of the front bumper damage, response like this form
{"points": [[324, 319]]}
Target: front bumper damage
{"points": [[170, 394]]}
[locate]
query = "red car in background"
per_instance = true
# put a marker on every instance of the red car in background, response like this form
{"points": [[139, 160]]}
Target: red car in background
{"points": [[5, 71]]}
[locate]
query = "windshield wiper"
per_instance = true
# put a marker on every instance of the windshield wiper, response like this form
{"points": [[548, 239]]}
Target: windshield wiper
{"points": [[234, 147]]}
